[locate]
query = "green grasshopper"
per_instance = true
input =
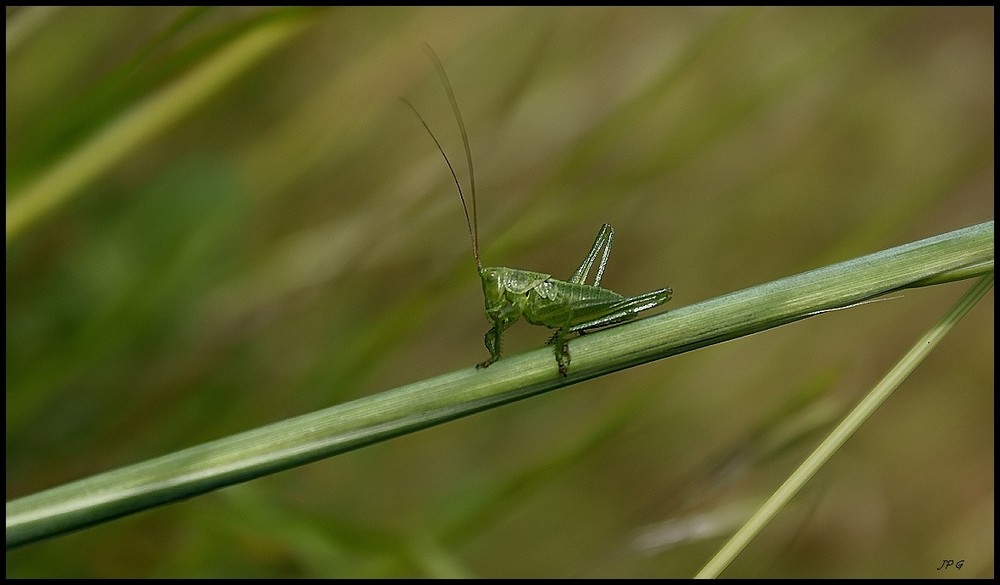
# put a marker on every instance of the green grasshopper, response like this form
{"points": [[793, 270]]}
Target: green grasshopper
{"points": [[568, 306]]}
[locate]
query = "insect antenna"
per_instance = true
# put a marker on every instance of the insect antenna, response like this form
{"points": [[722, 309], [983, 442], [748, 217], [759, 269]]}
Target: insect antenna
{"points": [[468, 151], [473, 234]]}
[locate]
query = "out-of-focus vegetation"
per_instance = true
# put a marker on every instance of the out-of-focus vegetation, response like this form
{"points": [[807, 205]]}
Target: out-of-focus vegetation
{"points": [[233, 220]]}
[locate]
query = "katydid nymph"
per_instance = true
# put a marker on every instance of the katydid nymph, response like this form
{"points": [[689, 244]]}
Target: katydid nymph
{"points": [[568, 306]]}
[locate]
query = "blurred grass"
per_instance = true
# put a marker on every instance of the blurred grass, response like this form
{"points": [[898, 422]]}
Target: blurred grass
{"points": [[293, 236], [141, 122], [846, 428]]}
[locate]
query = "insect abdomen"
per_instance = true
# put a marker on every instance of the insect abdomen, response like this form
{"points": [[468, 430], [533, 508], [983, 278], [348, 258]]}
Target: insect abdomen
{"points": [[556, 303]]}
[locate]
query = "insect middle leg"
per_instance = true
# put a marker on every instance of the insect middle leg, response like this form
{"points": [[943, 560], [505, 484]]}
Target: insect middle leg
{"points": [[558, 342]]}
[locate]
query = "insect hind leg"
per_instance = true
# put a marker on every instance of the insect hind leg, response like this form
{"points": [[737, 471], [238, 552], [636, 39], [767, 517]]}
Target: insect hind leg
{"points": [[627, 310], [602, 245]]}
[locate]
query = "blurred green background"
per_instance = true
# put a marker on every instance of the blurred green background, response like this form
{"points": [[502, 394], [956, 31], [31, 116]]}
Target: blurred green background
{"points": [[226, 217]]}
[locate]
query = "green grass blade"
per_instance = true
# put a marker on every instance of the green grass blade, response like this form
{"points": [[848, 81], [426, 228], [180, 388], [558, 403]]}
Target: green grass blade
{"points": [[348, 426], [845, 429]]}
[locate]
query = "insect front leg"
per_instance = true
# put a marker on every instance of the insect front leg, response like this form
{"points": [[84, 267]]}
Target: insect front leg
{"points": [[493, 340]]}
